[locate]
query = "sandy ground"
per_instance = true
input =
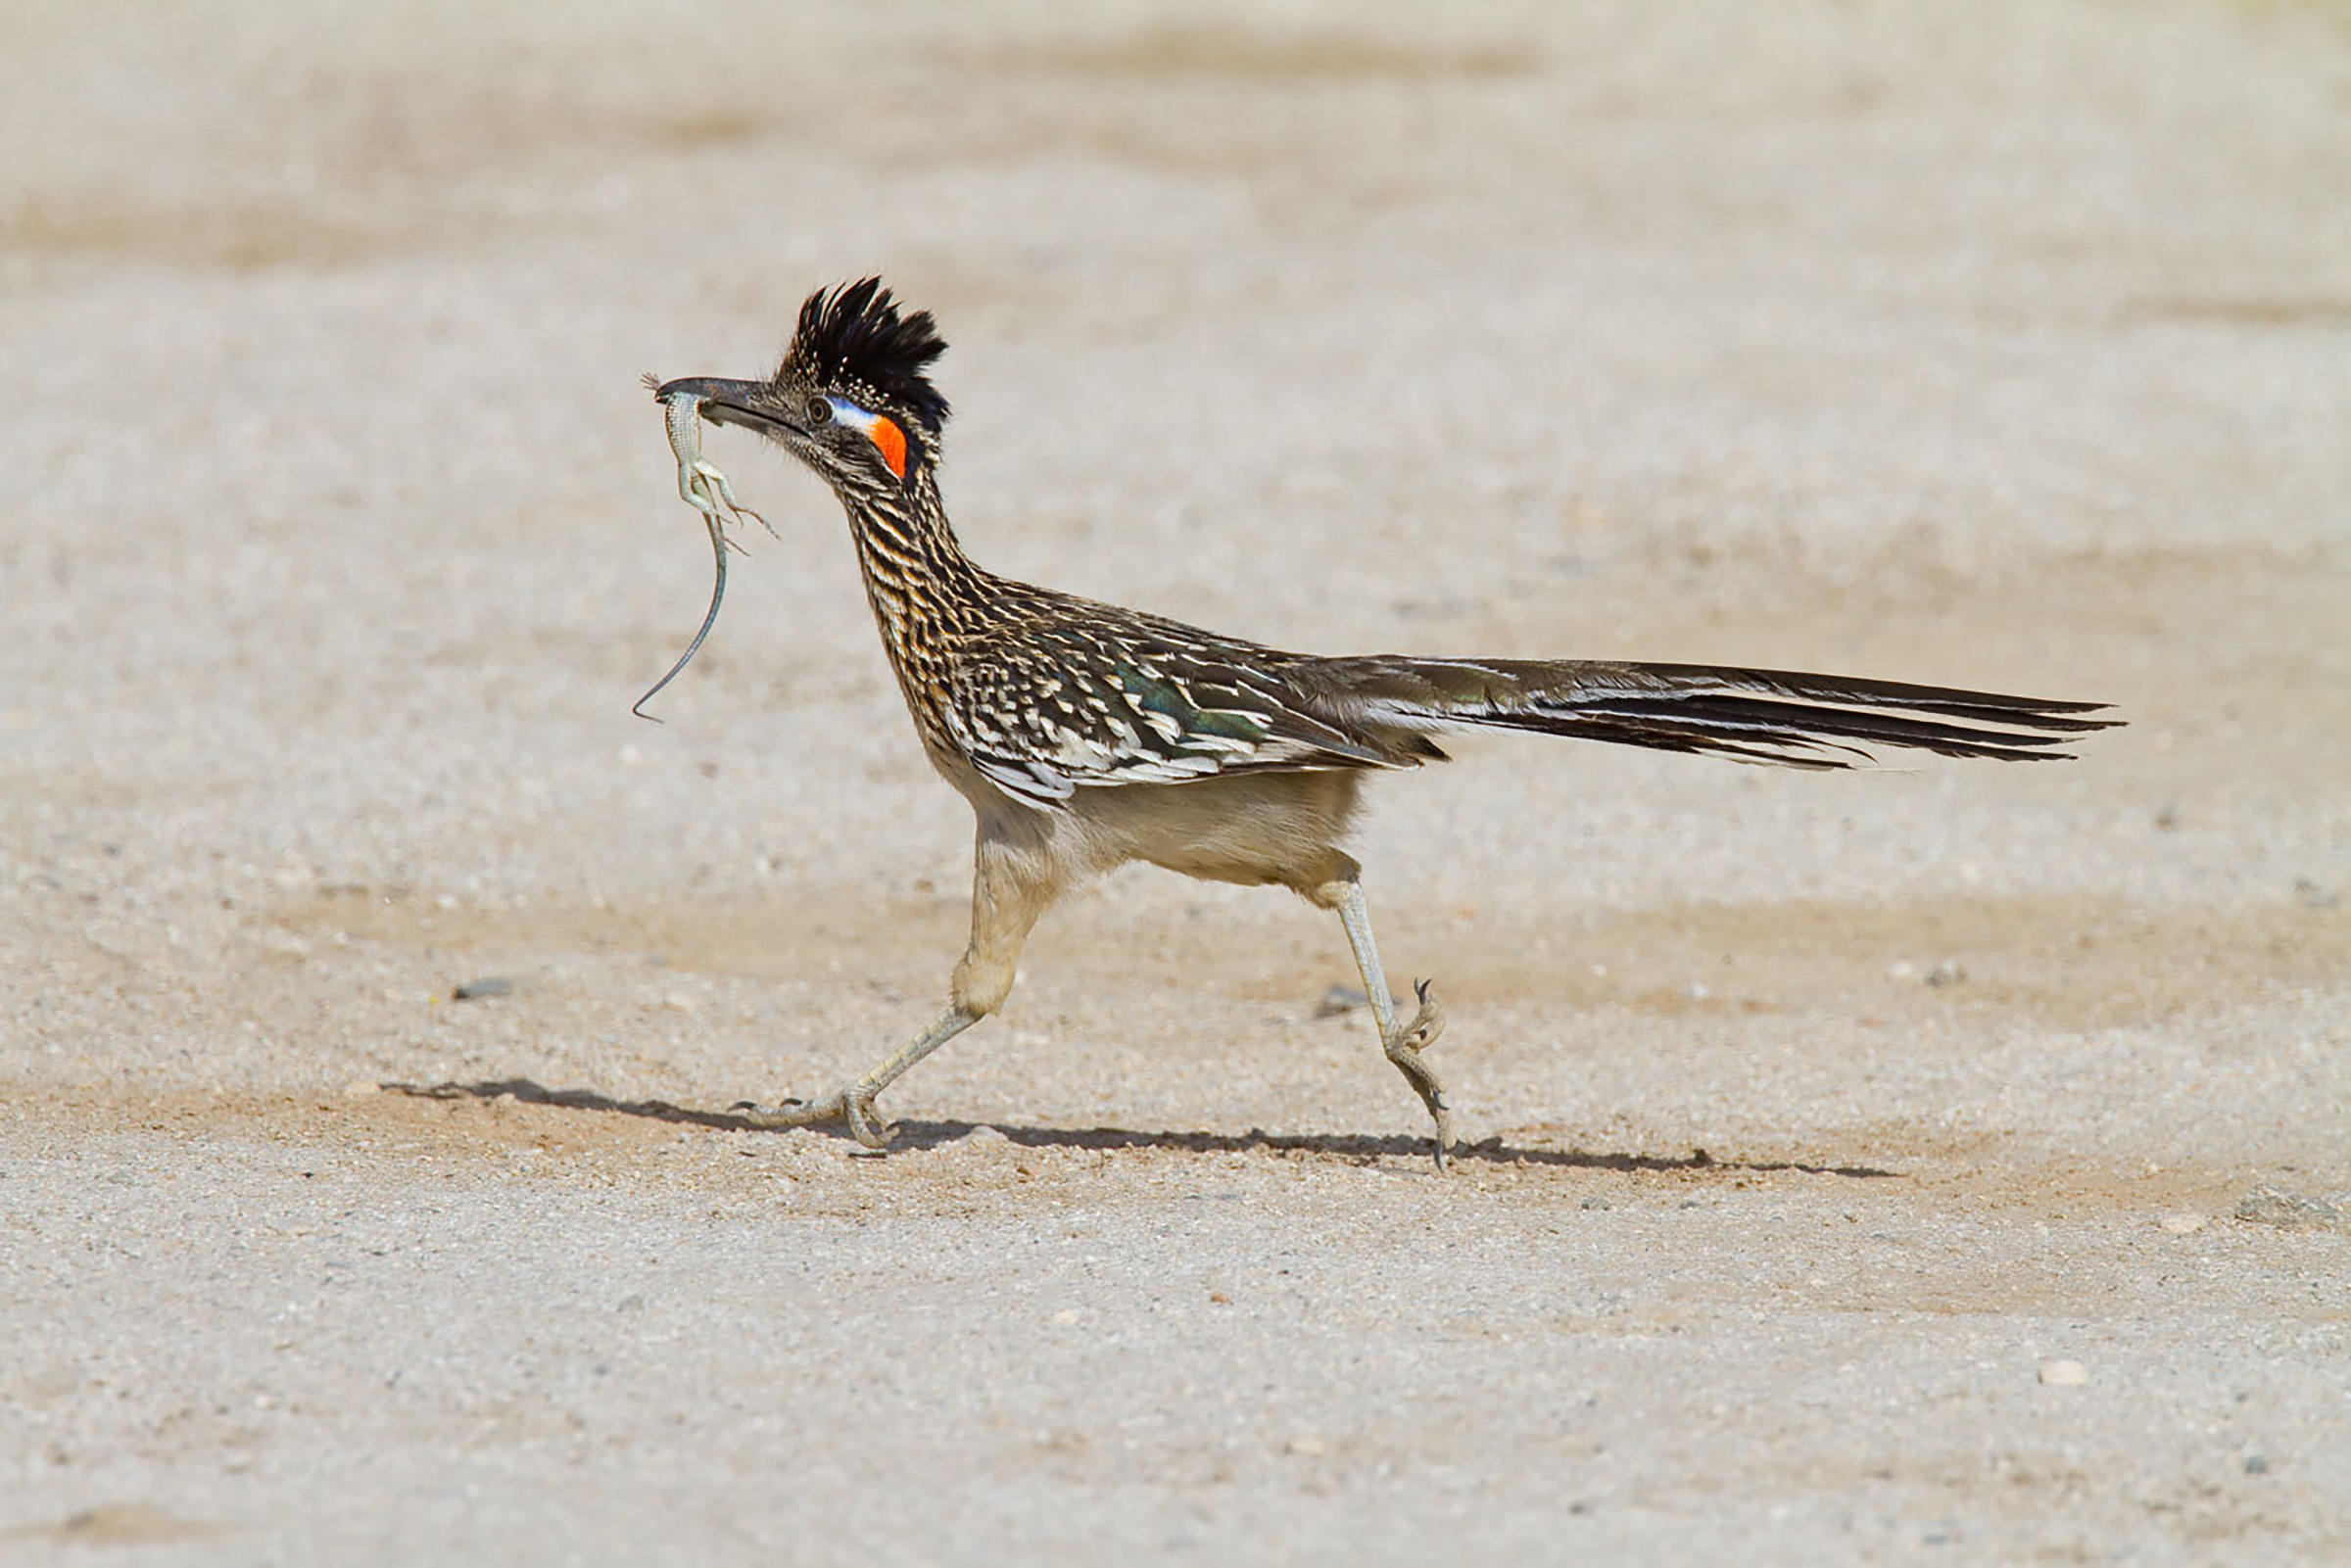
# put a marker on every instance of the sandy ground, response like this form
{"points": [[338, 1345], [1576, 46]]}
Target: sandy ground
{"points": [[1906, 1165]]}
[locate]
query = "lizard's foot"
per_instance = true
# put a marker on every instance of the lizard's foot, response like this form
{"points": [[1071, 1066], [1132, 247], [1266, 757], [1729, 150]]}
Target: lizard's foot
{"points": [[701, 484], [704, 487], [853, 1105], [1412, 1036]]}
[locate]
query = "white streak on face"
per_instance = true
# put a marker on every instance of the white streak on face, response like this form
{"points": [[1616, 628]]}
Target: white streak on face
{"points": [[857, 418]]}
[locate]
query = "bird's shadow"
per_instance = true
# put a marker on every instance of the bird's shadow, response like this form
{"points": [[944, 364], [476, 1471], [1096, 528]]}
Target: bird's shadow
{"points": [[931, 1134]]}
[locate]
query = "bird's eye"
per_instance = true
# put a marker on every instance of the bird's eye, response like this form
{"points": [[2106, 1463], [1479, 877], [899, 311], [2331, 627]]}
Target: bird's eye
{"points": [[820, 412]]}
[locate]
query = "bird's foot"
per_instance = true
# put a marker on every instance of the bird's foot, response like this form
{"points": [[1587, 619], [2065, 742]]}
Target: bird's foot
{"points": [[1412, 1036], [852, 1104]]}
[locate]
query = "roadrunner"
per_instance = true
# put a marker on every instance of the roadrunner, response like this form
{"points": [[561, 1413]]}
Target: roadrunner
{"points": [[1086, 736]]}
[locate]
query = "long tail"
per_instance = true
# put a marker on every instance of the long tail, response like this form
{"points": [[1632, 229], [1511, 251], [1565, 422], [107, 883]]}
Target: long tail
{"points": [[1775, 716]]}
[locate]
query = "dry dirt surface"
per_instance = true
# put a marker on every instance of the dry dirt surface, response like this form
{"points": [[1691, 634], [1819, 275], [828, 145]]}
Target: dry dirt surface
{"points": [[1939, 1165]]}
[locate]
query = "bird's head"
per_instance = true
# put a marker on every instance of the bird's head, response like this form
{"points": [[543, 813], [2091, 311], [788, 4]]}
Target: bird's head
{"points": [[852, 398]]}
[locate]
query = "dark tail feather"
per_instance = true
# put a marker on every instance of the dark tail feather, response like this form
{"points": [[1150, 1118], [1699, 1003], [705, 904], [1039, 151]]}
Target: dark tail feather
{"points": [[1775, 716]]}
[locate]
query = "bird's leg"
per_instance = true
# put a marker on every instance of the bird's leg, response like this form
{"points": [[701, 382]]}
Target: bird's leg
{"points": [[1009, 891], [1402, 1039]]}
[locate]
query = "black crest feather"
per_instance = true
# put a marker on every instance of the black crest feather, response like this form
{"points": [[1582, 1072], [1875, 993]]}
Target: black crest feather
{"points": [[853, 335]]}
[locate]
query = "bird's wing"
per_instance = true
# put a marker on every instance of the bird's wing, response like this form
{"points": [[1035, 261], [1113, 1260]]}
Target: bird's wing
{"points": [[1043, 714]]}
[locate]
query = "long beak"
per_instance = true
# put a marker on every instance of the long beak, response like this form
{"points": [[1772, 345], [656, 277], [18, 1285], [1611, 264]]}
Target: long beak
{"points": [[729, 402]]}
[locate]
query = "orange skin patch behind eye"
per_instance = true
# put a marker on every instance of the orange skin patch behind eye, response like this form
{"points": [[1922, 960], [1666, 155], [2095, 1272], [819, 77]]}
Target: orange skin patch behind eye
{"points": [[891, 442]]}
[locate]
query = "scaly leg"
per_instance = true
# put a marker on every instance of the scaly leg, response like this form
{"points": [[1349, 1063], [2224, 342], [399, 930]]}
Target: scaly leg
{"points": [[1009, 891], [1402, 1041]]}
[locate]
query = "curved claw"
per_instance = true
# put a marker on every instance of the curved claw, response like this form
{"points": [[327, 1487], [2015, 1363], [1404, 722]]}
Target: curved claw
{"points": [[1421, 1030], [1417, 1034], [864, 1125]]}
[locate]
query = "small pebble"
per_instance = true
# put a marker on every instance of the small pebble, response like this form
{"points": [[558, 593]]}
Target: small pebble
{"points": [[2181, 1224], [2064, 1374], [2255, 1464]]}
